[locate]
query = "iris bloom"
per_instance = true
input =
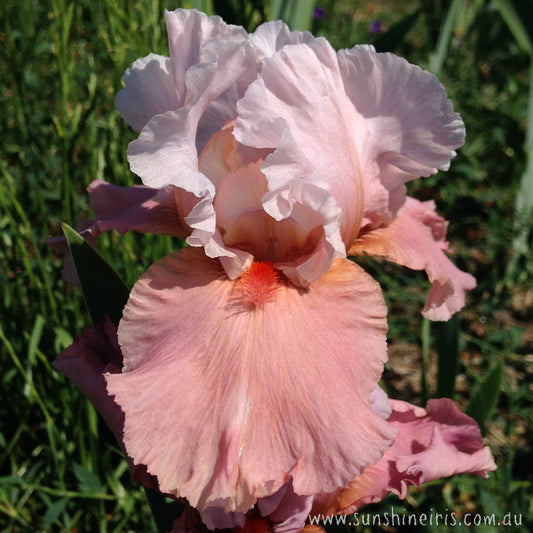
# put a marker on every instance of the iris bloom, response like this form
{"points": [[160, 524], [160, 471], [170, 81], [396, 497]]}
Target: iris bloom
{"points": [[250, 358]]}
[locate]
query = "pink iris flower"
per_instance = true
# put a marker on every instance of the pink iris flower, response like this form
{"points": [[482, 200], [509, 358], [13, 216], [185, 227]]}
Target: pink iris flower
{"points": [[250, 358]]}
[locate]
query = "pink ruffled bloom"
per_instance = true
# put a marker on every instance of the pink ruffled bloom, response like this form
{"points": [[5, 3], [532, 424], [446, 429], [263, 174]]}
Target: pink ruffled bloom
{"points": [[250, 358]]}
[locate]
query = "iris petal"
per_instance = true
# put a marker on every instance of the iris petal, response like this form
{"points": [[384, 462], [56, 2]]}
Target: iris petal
{"points": [[266, 393], [432, 443], [416, 240]]}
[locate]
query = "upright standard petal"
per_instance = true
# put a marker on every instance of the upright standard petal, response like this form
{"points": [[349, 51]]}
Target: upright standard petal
{"points": [[166, 152], [407, 126], [148, 90], [208, 58], [272, 36], [269, 381], [298, 106], [190, 34], [416, 239], [267, 39], [155, 84], [358, 124], [188, 31], [431, 444]]}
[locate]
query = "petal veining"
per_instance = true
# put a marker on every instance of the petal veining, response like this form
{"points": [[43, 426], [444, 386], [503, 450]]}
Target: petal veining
{"points": [[273, 35], [267, 393], [408, 127], [298, 106]]}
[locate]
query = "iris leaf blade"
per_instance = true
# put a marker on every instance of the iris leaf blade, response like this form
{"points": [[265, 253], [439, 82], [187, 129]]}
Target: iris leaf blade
{"points": [[104, 291]]}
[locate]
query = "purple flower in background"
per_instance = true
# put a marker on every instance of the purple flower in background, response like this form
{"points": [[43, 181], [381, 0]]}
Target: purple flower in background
{"points": [[319, 13], [375, 27]]}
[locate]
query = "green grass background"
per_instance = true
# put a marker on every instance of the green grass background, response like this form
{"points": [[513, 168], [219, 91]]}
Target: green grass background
{"points": [[62, 64]]}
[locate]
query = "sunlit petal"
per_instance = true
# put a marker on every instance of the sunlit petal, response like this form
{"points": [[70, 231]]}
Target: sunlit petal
{"points": [[416, 240], [270, 384], [148, 90]]}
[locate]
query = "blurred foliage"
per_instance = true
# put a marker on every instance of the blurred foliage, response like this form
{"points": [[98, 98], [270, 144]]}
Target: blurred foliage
{"points": [[62, 64]]}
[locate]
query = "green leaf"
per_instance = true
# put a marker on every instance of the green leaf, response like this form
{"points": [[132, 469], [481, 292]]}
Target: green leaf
{"points": [[448, 356], [10, 480], [298, 14], [485, 395], [453, 15], [63, 338], [103, 289], [88, 482], [53, 511], [35, 337], [515, 24], [163, 510]]}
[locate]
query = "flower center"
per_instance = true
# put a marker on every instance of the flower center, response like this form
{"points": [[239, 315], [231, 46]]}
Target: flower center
{"points": [[259, 282]]}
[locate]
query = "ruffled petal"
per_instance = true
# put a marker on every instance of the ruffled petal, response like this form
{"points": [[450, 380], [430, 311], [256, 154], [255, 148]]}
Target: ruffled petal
{"points": [[272, 36], [155, 84], [269, 381], [286, 510], [245, 225], [359, 124], [309, 207], [188, 32], [416, 240], [223, 155], [266, 40], [407, 128], [166, 152], [244, 229], [94, 353], [148, 90], [298, 106], [431, 444]]}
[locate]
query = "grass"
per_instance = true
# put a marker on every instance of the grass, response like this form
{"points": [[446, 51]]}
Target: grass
{"points": [[62, 64]]}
